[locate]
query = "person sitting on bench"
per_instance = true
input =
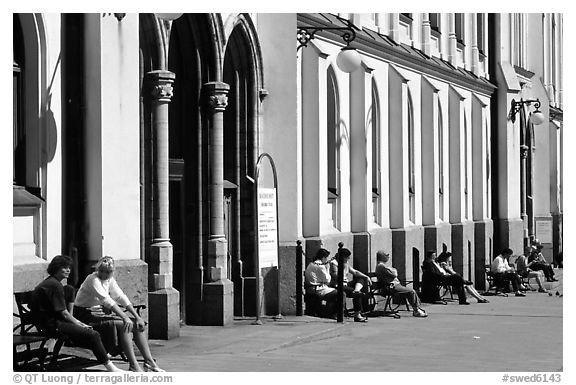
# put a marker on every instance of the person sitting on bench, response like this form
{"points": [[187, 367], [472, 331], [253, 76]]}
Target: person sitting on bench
{"points": [[504, 273], [436, 275], [354, 282], [445, 261], [523, 268], [100, 290], [317, 278], [388, 277], [50, 308], [536, 262]]}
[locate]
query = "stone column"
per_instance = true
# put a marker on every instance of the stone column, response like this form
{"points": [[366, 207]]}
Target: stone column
{"points": [[218, 303], [164, 300]]}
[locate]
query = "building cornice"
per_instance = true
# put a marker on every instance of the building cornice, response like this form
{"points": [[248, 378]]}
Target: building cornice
{"points": [[380, 46]]}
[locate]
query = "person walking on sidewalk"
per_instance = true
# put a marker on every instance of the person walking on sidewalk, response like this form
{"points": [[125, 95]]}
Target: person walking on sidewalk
{"points": [[388, 277], [505, 273]]}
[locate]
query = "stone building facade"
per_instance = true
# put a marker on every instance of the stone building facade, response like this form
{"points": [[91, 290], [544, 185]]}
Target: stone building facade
{"points": [[137, 136]]}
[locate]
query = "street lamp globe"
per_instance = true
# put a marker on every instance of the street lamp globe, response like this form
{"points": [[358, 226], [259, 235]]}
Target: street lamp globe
{"points": [[348, 60], [168, 16], [537, 117]]}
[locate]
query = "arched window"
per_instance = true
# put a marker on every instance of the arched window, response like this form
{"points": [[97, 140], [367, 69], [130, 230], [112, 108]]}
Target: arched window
{"points": [[440, 163], [411, 162], [376, 164], [333, 145], [466, 151], [18, 129]]}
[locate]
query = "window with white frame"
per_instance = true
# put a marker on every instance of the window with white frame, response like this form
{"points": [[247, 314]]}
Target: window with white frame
{"points": [[406, 28], [466, 176], [459, 27], [440, 163], [18, 128], [376, 164], [333, 147], [480, 30], [411, 161]]}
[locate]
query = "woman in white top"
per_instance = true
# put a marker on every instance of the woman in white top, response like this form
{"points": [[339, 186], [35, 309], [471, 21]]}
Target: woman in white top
{"points": [[100, 290]]}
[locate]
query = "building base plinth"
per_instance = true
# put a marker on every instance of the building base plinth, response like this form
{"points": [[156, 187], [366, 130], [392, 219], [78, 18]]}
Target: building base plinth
{"points": [[164, 314], [218, 303]]}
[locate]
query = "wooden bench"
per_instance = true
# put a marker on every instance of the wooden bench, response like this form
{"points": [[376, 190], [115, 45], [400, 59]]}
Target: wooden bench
{"points": [[35, 342], [495, 285], [30, 337]]}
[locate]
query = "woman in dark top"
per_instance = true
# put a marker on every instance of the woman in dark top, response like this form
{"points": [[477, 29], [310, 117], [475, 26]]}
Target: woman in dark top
{"points": [[434, 275], [49, 304]]}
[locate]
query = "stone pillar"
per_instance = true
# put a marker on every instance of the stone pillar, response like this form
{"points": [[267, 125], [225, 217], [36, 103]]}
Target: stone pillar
{"points": [[164, 300], [218, 303]]}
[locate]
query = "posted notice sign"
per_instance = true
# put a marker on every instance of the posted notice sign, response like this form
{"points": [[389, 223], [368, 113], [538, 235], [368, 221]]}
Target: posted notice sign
{"points": [[267, 227]]}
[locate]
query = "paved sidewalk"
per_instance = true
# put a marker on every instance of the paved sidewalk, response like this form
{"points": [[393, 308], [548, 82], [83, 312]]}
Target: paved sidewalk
{"points": [[508, 334]]}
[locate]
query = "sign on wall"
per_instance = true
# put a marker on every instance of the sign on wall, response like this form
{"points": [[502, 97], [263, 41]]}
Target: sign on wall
{"points": [[267, 227], [544, 231]]}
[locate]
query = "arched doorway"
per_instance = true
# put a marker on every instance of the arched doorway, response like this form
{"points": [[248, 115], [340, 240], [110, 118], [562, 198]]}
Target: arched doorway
{"points": [[240, 154]]}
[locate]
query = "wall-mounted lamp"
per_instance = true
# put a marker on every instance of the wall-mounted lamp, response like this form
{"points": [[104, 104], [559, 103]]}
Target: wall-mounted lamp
{"points": [[348, 60], [536, 117]]}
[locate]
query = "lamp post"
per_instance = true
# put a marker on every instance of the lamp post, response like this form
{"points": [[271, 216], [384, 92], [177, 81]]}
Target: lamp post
{"points": [[348, 60], [536, 118]]}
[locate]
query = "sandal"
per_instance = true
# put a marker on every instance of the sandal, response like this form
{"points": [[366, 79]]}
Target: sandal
{"points": [[360, 319]]}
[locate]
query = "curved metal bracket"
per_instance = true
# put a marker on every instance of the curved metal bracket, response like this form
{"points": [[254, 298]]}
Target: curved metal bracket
{"points": [[305, 34], [516, 106]]}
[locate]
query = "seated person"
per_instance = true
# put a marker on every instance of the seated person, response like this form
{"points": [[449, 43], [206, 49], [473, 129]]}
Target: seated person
{"points": [[50, 304], [445, 262], [317, 277], [523, 268], [434, 274], [100, 290], [354, 282], [502, 271], [536, 262], [388, 277]]}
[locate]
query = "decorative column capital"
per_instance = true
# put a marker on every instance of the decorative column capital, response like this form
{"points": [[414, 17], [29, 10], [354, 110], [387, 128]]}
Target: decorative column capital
{"points": [[217, 94], [160, 85]]}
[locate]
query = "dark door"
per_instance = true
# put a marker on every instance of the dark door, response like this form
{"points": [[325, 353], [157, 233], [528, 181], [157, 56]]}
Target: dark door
{"points": [[177, 232]]}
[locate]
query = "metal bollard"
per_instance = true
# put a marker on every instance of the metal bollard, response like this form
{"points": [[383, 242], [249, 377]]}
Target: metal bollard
{"points": [[299, 278], [340, 298]]}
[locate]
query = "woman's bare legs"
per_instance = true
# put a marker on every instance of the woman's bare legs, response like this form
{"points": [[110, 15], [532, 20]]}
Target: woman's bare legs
{"points": [[472, 291], [142, 344], [126, 346], [538, 276]]}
